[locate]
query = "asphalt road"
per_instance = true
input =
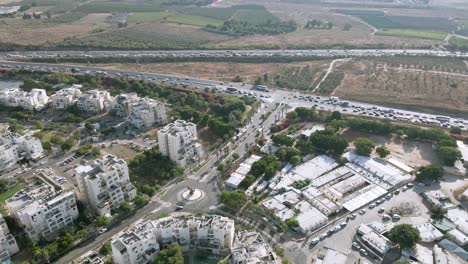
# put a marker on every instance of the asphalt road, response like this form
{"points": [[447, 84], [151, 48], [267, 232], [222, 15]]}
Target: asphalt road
{"points": [[231, 53]]}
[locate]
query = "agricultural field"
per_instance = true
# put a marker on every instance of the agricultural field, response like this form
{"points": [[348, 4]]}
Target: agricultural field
{"points": [[459, 43], [109, 7], [174, 18], [27, 32], [147, 36], [430, 83], [411, 33]]}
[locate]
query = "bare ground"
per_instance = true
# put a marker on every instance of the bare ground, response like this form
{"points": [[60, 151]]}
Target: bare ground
{"points": [[214, 70], [379, 82], [28, 32]]}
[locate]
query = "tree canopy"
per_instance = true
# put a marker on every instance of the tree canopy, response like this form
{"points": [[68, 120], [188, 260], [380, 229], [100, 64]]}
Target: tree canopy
{"points": [[429, 173], [364, 146], [404, 235], [233, 198], [171, 255]]}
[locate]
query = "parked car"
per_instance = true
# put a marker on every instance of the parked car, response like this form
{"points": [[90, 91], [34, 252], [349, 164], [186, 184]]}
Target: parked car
{"points": [[356, 246], [396, 217], [381, 210], [372, 205]]}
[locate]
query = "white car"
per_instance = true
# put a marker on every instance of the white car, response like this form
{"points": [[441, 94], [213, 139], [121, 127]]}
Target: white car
{"points": [[362, 211]]}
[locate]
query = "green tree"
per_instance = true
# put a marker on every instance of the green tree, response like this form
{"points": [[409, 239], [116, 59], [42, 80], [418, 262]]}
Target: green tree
{"points": [[292, 222], [105, 249], [140, 200], [279, 250], [456, 130], [102, 221], [235, 156], [125, 208], [404, 235], [438, 213], [233, 198], [247, 181], [429, 173], [449, 155], [382, 151], [364, 146], [328, 142], [3, 185], [171, 255], [237, 79]]}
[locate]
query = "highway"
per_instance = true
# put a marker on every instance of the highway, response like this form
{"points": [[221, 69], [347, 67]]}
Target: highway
{"points": [[326, 53]]}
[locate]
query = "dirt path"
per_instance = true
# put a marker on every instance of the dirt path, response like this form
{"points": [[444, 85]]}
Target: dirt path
{"points": [[330, 68]]}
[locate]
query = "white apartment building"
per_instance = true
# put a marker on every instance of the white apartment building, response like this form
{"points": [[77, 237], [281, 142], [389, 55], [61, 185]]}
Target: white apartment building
{"points": [[141, 243], [136, 245], [179, 142], [141, 112], [36, 99], [42, 211], [146, 113], [121, 104], [250, 248], [8, 245], [94, 101], [15, 147], [65, 97], [105, 184]]}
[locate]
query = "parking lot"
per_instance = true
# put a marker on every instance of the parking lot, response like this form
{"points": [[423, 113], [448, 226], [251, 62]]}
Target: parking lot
{"points": [[303, 251]]}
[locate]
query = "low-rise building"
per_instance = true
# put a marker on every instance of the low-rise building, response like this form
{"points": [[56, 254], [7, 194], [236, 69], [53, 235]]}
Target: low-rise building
{"points": [[8, 245], [15, 147], [105, 184], [239, 174], [429, 233], [141, 243], [250, 248], [94, 101], [374, 239], [458, 237], [36, 99], [42, 211], [179, 142], [65, 97]]}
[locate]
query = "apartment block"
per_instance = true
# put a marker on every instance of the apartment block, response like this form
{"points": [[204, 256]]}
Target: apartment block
{"points": [[65, 97], [36, 99], [250, 248], [141, 112], [105, 184], [42, 211], [94, 101], [179, 142], [141, 243], [15, 147], [8, 245], [146, 113]]}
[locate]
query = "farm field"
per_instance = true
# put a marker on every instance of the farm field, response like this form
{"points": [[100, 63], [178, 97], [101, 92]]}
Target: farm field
{"points": [[174, 18], [443, 84], [219, 70], [459, 43], [33, 33], [425, 34], [147, 36], [109, 7]]}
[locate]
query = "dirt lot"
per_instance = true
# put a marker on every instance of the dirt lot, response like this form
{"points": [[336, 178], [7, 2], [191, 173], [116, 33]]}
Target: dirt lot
{"points": [[121, 151], [30, 32], [215, 70], [413, 153], [374, 81]]}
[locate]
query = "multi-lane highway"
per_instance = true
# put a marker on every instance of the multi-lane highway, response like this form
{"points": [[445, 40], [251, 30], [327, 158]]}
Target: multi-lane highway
{"points": [[232, 53], [292, 98]]}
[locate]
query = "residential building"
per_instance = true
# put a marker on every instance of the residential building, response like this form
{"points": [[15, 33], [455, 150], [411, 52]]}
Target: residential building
{"points": [[179, 142], [429, 233], [250, 248], [142, 242], [94, 101], [146, 113], [15, 147], [136, 245], [8, 245], [121, 104], [36, 99], [374, 239], [105, 184], [42, 211], [65, 97], [244, 168]]}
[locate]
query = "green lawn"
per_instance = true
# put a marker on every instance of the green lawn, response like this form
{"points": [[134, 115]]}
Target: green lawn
{"points": [[412, 33], [174, 18], [10, 192]]}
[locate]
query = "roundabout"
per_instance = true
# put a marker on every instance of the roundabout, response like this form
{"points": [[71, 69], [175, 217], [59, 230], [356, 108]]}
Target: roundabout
{"points": [[191, 194]]}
